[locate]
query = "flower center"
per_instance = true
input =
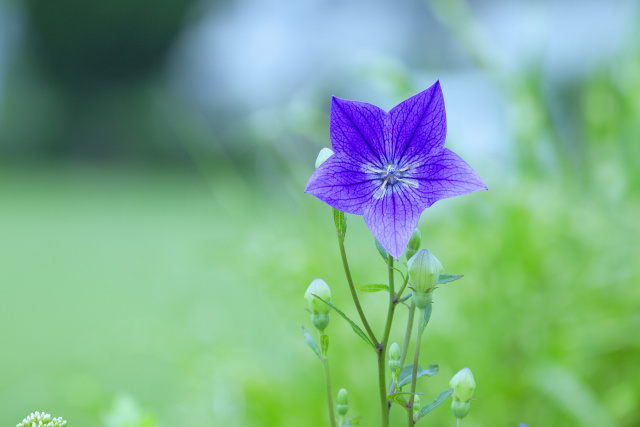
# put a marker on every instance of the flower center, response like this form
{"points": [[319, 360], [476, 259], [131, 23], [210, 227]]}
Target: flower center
{"points": [[391, 175]]}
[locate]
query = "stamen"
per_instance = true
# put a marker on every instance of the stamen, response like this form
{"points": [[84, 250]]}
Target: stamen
{"points": [[369, 168], [410, 182], [380, 191]]}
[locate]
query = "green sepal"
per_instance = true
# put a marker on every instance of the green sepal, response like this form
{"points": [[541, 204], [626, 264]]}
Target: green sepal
{"points": [[427, 316], [444, 278], [399, 398], [340, 221], [354, 326], [311, 343], [433, 405], [407, 373], [374, 287], [324, 343], [383, 252]]}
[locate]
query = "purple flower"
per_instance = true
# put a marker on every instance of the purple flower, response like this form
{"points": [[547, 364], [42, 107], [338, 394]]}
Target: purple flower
{"points": [[390, 167]]}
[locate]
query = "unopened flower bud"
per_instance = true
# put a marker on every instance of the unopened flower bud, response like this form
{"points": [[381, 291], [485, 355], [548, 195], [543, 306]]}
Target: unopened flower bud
{"points": [[414, 244], [319, 310], [394, 356], [416, 405], [424, 271], [463, 386], [323, 155], [343, 402]]}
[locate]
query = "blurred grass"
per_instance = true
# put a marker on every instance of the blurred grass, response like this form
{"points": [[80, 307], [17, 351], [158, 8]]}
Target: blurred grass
{"points": [[140, 282]]}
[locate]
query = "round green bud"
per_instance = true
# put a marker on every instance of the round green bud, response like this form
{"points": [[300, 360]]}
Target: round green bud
{"points": [[414, 244], [320, 321], [422, 300], [416, 405], [460, 409], [394, 351], [463, 386], [394, 356], [343, 402], [424, 271], [323, 155], [320, 288]]}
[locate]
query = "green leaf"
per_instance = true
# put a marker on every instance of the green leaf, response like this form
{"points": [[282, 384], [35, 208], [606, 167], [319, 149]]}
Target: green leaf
{"points": [[324, 344], [433, 405], [444, 278], [399, 398], [311, 343], [355, 327], [427, 316], [407, 372], [382, 251], [374, 287], [352, 421]]}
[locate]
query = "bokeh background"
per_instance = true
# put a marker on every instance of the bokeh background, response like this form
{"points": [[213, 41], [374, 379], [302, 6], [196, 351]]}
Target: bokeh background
{"points": [[155, 241]]}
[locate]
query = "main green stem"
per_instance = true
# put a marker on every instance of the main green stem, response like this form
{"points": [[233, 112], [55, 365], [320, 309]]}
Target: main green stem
{"points": [[382, 348], [459, 423], [415, 369], [405, 344], [354, 295], [327, 380]]}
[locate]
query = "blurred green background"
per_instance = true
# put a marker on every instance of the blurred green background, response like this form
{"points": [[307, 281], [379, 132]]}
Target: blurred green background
{"points": [[155, 241]]}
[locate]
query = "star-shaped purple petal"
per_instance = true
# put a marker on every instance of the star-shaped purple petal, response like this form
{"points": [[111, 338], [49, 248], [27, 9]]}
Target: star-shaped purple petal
{"points": [[390, 167]]}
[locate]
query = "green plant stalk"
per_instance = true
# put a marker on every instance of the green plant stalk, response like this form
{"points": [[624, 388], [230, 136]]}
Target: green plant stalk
{"points": [[354, 295], [327, 380], [382, 348], [415, 370], [405, 344], [459, 423]]}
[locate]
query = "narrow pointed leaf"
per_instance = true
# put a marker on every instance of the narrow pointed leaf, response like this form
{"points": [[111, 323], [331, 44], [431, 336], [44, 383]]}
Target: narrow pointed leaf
{"points": [[311, 343], [433, 405], [382, 251], [354, 326], [444, 278], [374, 287], [427, 316], [340, 221], [407, 372]]}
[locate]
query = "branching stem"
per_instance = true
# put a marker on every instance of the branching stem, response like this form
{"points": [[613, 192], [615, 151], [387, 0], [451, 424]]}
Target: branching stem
{"points": [[415, 370], [354, 295]]}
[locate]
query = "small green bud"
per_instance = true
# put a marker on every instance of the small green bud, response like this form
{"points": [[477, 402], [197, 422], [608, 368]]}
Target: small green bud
{"points": [[424, 271], [323, 155], [422, 300], [416, 405], [320, 288], [343, 402], [319, 310], [394, 356], [414, 244], [463, 386], [460, 409]]}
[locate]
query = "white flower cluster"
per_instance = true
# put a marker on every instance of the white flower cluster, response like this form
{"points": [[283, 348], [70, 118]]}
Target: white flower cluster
{"points": [[42, 420]]}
